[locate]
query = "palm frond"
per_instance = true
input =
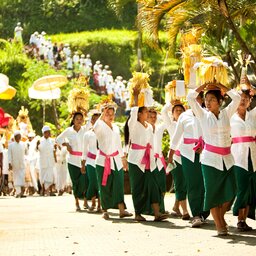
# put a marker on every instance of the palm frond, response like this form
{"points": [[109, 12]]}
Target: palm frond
{"points": [[118, 5], [178, 20], [149, 18]]}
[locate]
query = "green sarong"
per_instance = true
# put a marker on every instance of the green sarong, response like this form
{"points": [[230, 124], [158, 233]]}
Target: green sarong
{"points": [[179, 183], [79, 181], [93, 188], [246, 190], [160, 177], [195, 186], [113, 193], [220, 186], [145, 190]]}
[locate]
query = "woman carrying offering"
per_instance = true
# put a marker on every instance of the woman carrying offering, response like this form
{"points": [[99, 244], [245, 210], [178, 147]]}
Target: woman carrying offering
{"points": [[110, 162], [243, 130], [146, 193], [217, 160], [72, 138]]}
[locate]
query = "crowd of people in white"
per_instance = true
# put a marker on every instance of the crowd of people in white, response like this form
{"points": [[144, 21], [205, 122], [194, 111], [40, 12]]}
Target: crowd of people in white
{"points": [[36, 166], [99, 76]]}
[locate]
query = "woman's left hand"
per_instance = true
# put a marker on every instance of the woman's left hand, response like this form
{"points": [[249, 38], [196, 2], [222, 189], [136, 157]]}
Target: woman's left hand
{"points": [[125, 164]]}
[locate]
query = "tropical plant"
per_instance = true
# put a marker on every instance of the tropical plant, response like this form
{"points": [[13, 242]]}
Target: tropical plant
{"points": [[216, 17]]}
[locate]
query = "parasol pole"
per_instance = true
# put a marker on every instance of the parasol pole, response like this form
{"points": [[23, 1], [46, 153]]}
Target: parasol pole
{"points": [[43, 112], [55, 115]]}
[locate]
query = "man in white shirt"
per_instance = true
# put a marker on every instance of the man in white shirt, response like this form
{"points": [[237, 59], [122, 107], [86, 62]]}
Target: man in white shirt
{"points": [[32, 158], [47, 160], [16, 155], [18, 32], [88, 61], [96, 66]]}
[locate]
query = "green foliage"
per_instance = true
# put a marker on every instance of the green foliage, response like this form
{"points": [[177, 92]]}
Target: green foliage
{"points": [[117, 48], [165, 144], [54, 16]]}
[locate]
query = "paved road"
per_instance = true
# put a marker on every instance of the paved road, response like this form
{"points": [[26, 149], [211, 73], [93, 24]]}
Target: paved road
{"points": [[49, 226]]}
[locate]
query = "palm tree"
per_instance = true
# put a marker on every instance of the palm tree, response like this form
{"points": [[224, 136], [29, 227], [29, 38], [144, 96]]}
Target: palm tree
{"points": [[214, 16], [118, 6]]}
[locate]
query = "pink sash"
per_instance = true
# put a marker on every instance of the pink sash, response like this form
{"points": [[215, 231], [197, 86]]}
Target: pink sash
{"points": [[146, 158], [91, 155], [243, 139], [177, 153], [162, 160], [107, 167], [199, 142], [75, 153], [218, 150]]}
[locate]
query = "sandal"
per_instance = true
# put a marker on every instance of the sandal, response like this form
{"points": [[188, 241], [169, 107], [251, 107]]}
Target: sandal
{"points": [[99, 210], [91, 209], [161, 217], [138, 217], [176, 213], [125, 214], [86, 206], [185, 216], [78, 209], [222, 232], [105, 216], [196, 222]]}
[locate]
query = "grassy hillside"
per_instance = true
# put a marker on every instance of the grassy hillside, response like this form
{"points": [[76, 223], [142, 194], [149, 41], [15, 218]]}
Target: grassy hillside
{"points": [[118, 48]]}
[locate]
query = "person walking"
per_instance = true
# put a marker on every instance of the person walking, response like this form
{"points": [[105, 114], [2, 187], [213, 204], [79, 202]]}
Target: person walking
{"points": [[88, 163], [72, 138], [16, 156], [47, 160], [243, 130], [217, 160], [146, 194], [110, 162]]}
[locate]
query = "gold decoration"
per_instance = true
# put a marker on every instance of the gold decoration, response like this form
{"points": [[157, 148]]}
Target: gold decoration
{"points": [[107, 102], [139, 81], [23, 123], [192, 53], [156, 107], [212, 70], [244, 61], [170, 94], [78, 98]]}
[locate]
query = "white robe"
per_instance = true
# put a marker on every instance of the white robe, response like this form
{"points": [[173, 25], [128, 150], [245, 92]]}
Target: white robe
{"points": [[46, 161], [16, 155], [61, 168]]}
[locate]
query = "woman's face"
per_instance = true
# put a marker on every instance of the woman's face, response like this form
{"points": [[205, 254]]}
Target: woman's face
{"points": [[245, 102], [176, 112], [95, 118], [109, 115], [211, 102], [17, 138], [152, 117], [143, 115], [78, 120], [200, 100], [47, 134]]}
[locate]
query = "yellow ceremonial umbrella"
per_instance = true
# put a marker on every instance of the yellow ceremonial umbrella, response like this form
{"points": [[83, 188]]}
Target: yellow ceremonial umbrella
{"points": [[7, 92], [51, 82]]}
